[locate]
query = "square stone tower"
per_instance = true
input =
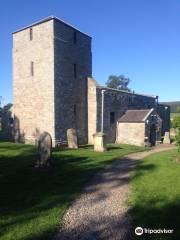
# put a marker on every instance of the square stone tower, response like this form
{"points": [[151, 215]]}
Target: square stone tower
{"points": [[51, 63]]}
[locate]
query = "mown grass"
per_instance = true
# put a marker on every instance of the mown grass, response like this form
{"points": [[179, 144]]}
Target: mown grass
{"points": [[32, 200], [155, 198]]}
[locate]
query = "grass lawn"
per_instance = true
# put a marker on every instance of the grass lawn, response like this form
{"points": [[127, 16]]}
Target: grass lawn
{"points": [[33, 200], [155, 195]]}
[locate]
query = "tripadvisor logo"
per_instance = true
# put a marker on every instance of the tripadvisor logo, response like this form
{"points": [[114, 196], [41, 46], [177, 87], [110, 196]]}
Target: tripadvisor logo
{"points": [[139, 231]]}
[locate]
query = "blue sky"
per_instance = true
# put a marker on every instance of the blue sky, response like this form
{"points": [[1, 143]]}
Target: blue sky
{"points": [[137, 38]]}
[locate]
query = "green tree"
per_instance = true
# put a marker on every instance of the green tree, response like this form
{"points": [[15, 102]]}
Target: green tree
{"points": [[176, 126], [7, 107], [118, 82], [178, 109]]}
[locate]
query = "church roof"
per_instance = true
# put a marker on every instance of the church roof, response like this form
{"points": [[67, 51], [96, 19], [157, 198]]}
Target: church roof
{"points": [[128, 92], [48, 19], [136, 115]]}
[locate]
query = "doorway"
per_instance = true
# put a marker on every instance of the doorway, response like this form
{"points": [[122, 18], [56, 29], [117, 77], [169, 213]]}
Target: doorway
{"points": [[152, 137]]}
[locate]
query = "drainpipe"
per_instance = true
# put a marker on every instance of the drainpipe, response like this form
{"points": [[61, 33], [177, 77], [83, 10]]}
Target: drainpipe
{"points": [[102, 110], [165, 126]]}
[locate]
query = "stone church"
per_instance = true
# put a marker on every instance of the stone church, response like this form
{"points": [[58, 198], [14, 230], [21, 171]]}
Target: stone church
{"points": [[53, 88]]}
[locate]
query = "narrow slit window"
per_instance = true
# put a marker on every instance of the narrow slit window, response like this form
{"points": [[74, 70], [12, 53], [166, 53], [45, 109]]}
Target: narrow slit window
{"points": [[75, 37], [30, 34], [32, 68], [75, 71], [112, 117]]}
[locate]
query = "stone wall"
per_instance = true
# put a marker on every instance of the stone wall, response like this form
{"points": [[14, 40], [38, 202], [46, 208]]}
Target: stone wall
{"points": [[117, 102], [70, 83], [92, 109], [33, 95], [131, 133], [6, 130], [55, 97], [140, 133]]}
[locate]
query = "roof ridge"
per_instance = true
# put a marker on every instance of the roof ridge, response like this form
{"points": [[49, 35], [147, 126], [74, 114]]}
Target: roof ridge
{"points": [[139, 110], [128, 92], [136, 115], [51, 17]]}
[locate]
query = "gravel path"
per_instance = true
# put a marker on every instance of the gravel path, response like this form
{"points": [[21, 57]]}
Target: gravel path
{"points": [[101, 211]]}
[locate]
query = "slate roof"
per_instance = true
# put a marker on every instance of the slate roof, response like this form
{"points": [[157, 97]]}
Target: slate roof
{"points": [[135, 115]]}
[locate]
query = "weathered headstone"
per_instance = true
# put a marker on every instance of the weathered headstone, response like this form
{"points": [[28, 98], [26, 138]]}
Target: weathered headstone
{"points": [[99, 142], [44, 149], [167, 138], [72, 138]]}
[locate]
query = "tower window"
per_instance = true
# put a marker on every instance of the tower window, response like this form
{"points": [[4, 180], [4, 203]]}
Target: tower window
{"points": [[75, 37], [75, 70], [112, 117], [30, 34], [32, 68]]}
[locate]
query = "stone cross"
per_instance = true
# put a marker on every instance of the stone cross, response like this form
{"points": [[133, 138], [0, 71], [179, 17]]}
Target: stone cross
{"points": [[44, 149], [72, 138]]}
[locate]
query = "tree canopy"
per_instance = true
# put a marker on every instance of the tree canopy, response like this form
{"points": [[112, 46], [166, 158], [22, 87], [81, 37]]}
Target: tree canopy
{"points": [[118, 82]]}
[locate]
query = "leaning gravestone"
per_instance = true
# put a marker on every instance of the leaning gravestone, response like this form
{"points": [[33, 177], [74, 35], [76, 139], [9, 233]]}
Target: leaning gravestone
{"points": [[167, 138], [44, 149], [72, 138]]}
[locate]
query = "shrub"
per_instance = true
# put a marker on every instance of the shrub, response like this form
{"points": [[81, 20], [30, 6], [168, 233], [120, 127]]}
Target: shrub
{"points": [[176, 126]]}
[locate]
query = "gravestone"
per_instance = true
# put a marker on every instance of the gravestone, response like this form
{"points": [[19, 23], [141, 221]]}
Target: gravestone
{"points": [[72, 138], [44, 149], [167, 138], [99, 142]]}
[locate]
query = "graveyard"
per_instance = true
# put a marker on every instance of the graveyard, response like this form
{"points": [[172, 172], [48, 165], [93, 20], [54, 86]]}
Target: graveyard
{"points": [[83, 155], [33, 200]]}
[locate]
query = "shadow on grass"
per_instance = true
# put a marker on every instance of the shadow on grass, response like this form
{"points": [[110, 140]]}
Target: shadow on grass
{"points": [[156, 207], [27, 193], [33, 200], [32, 197], [143, 169], [65, 148], [111, 147], [157, 214], [88, 146]]}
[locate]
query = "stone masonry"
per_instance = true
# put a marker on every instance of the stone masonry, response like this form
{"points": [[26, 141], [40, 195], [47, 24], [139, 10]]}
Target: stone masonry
{"points": [[53, 89], [72, 66], [116, 102], [52, 96], [33, 94]]}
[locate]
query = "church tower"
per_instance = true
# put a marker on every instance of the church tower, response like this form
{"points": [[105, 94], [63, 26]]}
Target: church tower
{"points": [[51, 63]]}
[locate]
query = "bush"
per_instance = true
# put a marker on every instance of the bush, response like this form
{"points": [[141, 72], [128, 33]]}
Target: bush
{"points": [[176, 126]]}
